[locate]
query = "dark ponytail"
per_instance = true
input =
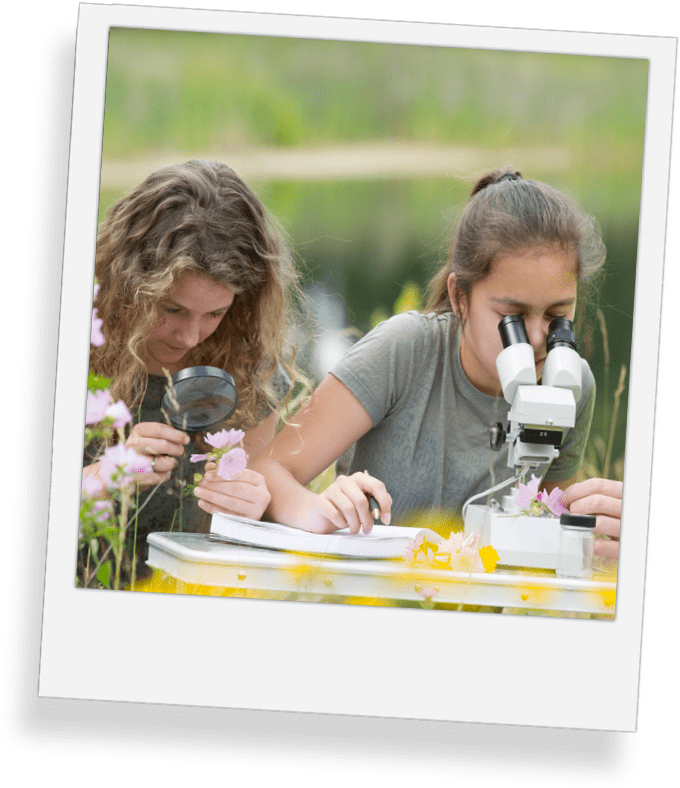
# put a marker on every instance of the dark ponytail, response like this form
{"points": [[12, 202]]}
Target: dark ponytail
{"points": [[507, 213]]}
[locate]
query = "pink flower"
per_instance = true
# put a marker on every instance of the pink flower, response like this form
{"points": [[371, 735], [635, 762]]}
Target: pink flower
{"points": [[532, 502], [97, 405], [554, 502], [413, 548], [96, 291], [428, 593], [96, 336], [91, 486], [104, 510], [224, 438], [198, 457], [119, 413], [527, 492], [464, 554], [232, 463], [119, 465]]}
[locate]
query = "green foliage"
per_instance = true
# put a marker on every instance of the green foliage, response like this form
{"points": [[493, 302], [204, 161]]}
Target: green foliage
{"points": [[104, 574], [168, 90], [97, 383]]}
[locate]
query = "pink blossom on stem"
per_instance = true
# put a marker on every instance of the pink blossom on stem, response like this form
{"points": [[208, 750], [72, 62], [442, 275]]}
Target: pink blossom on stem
{"points": [[198, 457], [428, 593], [97, 405], [104, 510], [119, 465], [119, 413], [554, 502], [527, 492], [232, 463], [224, 438], [91, 486], [413, 548], [96, 336]]}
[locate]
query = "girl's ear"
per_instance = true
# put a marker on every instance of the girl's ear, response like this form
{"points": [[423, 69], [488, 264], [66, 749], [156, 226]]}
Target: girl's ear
{"points": [[457, 300]]}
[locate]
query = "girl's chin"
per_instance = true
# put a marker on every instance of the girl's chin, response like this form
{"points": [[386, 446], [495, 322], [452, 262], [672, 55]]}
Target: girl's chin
{"points": [[161, 356]]}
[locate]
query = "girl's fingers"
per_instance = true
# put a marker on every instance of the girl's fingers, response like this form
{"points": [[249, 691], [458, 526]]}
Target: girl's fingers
{"points": [[609, 526], [154, 429], [606, 548], [354, 504], [245, 476], [246, 492], [212, 500], [597, 504], [330, 512], [154, 446], [163, 464], [348, 496], [345, 502], [590, 487], [153, 439], [374, 487]]}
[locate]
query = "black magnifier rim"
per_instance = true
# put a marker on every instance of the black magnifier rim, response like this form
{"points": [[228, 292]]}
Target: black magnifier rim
{"points": [[191, 373]]}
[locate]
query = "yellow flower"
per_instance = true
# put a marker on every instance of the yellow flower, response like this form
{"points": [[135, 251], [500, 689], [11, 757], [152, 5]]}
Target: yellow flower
{"points": [[489, 558]]}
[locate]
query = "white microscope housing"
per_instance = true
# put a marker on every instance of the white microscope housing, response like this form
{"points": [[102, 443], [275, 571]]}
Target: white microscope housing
{"points": [[536, 420]]}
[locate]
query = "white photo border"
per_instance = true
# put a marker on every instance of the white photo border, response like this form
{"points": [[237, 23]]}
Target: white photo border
{"points": [[339, 659]]}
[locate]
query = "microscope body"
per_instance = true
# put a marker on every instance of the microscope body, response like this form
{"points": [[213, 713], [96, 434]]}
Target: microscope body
{"points": [[536, 420]]}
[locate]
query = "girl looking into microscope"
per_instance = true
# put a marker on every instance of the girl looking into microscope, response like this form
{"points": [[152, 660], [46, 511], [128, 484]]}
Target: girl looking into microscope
{"points": [[414, 398]]}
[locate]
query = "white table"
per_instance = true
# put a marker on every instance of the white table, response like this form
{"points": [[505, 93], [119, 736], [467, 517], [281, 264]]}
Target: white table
{"points": [[194, 560]]}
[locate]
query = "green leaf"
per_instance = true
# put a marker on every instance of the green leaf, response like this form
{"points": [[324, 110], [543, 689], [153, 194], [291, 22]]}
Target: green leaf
{"points": [[97, 383], [104, 574]]}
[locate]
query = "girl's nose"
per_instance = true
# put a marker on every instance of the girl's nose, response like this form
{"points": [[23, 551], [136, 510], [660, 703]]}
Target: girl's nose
{"points": [[189, 334], [537, 331]]}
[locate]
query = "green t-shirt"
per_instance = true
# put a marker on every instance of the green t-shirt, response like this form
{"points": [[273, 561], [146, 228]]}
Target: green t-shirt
{"points": [[429, 442]]}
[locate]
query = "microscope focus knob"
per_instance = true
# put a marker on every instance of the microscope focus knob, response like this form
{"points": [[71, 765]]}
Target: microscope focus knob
{"points": [[497, 436]]}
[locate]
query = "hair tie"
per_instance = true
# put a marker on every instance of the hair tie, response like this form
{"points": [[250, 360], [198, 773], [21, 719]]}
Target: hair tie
{"points": [[509, 176]]}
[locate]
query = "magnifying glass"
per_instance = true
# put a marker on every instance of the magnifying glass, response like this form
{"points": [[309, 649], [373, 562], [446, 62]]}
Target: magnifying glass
{"points": [[200, 398]]}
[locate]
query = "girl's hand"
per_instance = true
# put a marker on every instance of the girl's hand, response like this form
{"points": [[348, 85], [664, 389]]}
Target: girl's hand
{"points": [[162, 444], [245, 494], [603, 498], [344, 504]]}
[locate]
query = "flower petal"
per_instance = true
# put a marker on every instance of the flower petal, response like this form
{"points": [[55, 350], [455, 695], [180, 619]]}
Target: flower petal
{"points": [[97, 405], [119, 413], [96, 336], [232, 463], [555, 503], [217, 439]]}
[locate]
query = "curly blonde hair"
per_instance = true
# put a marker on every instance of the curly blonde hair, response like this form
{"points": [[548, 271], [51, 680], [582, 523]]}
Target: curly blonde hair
{"points": [[196, 218]]}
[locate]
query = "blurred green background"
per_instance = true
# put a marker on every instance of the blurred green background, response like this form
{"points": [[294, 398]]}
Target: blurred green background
{"points": [[366, 152]]}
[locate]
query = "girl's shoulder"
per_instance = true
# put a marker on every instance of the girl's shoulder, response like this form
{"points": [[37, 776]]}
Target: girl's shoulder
{"points": [[416, 327]]}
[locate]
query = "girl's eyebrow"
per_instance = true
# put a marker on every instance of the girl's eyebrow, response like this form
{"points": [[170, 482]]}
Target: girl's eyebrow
{"points": [[521, 305]]}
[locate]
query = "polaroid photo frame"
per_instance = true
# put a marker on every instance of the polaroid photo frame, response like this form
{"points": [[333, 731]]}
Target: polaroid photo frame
{"points": [[341, 659]]}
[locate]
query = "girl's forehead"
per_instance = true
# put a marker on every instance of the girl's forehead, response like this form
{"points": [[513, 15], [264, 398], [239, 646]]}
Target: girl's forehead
{"points": [[196, 289], [533, 267]]}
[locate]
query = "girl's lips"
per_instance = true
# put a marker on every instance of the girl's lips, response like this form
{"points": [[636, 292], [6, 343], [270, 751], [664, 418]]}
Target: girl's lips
{"points": [[175, 349]]}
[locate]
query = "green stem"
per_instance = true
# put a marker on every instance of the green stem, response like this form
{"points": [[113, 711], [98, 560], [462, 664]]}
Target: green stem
{"points": [[615, 413]]}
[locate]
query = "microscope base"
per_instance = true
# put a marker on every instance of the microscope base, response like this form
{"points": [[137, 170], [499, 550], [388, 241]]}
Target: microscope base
{"points": [[518, 539]]}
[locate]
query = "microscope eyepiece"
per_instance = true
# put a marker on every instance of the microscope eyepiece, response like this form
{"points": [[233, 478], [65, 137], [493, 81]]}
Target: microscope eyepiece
{"points": [[561, 333], [513, 331]]}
